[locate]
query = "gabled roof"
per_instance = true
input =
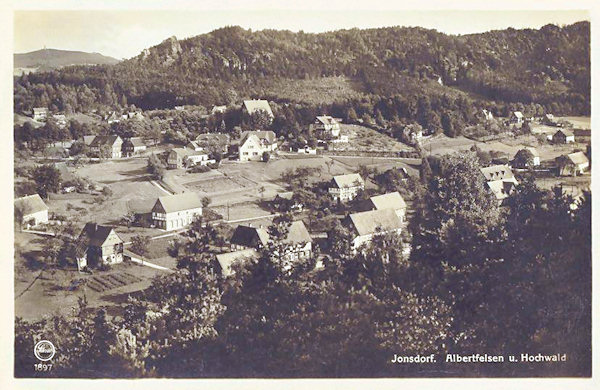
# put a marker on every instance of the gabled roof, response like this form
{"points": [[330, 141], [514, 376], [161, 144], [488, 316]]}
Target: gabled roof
{"points": [[194, 145], [288, 195], [326, 120], [349, 180], [567, 133], [40, 109], [256, 105], [181, 152], [500, 188], [297, 234], [518, 114], [109, 140], [226, 260], [95, 235], [392, 200], [136, 141], [578, 158], [533, 151], [180, 202], [369, 222], [31, 204], [88, 139], [249, 236], [497, 172], [264, 136]]}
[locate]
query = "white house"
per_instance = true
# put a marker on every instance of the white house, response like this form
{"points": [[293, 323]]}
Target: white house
{"points": [[367, 224], [176, 211], [33, 210], [346, 187], [326, 127], [40, 114], [253, 144], [487, 115], [183, 157]]}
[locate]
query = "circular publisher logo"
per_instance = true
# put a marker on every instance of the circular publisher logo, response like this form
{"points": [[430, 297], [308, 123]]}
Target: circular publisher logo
{"points": [[44, 350]]}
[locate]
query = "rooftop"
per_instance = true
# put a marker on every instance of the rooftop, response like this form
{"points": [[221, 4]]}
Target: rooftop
{"points": [[369, 222]]}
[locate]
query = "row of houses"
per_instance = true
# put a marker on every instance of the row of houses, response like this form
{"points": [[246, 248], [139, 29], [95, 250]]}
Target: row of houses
{"points": [[115, 146]]}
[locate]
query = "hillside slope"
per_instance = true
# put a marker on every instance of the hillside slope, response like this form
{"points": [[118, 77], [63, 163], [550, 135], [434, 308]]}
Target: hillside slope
{"points": [[53, 58]]}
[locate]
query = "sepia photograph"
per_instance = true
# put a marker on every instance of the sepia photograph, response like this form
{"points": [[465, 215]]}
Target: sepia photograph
{"points": [[293, 193]]}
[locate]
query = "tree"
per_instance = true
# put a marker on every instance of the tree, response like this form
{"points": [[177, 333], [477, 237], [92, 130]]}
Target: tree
{"points": [[266, 156], [47, 179], [260, 119], [206, 201], [139, 245]]}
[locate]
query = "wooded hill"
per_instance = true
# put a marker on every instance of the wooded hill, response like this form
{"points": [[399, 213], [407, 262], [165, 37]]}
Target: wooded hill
{"points": [[549, 67]]}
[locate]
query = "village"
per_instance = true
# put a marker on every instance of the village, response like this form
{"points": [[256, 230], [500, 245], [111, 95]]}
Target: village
{"points": [[129, 199]]}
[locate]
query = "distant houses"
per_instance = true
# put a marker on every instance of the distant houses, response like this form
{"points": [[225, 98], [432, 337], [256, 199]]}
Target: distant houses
{"points": [[253, 106], [500, 180], [61, 120], [32, 210], [176, 211], [487, 115], [40, 114], [344, 188], [253, 144], [97, 245], [112, 145], [572, 164], [367, 224], [563, 136]]}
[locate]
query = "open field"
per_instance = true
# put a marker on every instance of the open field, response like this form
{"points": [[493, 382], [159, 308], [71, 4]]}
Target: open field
{"points": [[440, 144], [579, 122], [362, 138]]}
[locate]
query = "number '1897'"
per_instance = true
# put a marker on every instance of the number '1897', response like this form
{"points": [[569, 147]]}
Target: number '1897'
{"points": [[42, 367]]}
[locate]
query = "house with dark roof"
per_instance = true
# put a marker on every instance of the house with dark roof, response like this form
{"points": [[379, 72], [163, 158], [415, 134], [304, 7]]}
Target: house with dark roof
{"points": [[227, 260], [252, 106], [534, 153], [32, 210], [98, 244], [572, 164], [110, 144], [345, 187], [563, 136], [392, 200], [176, 211], [246, 237], [367, 224], [133, 146]]}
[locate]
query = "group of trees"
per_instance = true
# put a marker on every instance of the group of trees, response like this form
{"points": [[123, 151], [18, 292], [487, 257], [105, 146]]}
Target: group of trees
{"points": [[479, 278]]}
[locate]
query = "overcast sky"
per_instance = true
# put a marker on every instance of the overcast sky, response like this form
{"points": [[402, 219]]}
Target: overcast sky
{"points": [[124, 33]]}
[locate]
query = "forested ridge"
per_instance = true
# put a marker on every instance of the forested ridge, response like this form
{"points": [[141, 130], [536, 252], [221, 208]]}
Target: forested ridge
{"points": [[549, 67]]}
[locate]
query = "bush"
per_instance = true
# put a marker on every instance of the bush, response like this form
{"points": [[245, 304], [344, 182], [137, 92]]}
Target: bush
{"points": [[199, 169]]}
